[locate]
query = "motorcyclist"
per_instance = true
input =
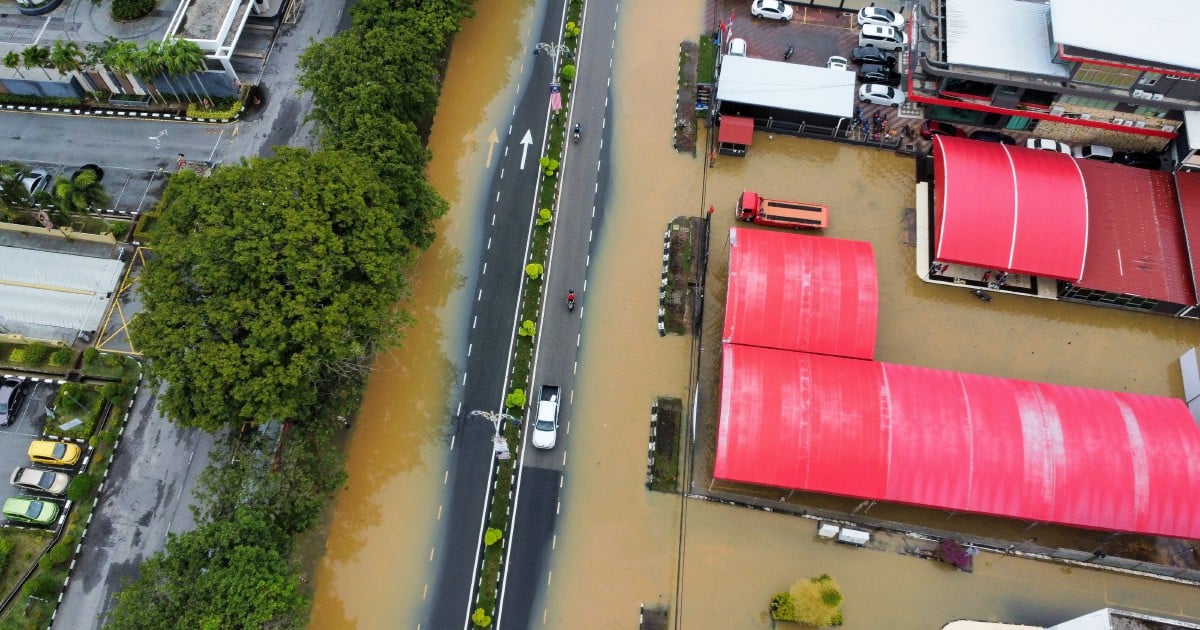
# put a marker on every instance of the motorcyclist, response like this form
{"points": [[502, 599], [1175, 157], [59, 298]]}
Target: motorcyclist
{"points": [[578, 130], [571, 296]]}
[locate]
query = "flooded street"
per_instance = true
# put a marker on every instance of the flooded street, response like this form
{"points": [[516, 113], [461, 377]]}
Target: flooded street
{"points": [[376, 565], [736, 559], [618, 544]]}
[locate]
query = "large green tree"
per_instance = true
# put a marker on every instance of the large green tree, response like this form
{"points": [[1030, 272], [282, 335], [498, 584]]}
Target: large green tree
{"points": [[225, 574], [272, 283]]}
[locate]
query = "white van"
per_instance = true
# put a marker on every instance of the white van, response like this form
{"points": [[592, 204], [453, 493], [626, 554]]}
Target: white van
{"points": [[737, 47], [882, 37]]}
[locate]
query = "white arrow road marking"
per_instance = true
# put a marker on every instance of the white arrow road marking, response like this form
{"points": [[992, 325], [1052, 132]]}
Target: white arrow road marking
{"points": [[492, 139], [525, 142]]}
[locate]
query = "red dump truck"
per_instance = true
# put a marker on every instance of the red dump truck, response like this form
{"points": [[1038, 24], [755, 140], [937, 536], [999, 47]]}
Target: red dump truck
{"points": [[778, 213]]}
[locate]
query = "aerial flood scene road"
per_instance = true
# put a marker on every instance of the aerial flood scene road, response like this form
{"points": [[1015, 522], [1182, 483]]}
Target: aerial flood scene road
{"points": [[528, 314]]}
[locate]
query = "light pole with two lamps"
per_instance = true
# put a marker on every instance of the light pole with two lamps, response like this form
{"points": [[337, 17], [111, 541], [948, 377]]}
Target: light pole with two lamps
{"points": [[499, 444], [554, 50]]}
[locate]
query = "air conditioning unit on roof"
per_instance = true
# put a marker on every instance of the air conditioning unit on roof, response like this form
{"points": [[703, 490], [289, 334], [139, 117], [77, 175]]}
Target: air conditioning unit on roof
{"points": [[1157, 97], [1168, 128], [1085, 116], [1057, 111], [1139, 94]]}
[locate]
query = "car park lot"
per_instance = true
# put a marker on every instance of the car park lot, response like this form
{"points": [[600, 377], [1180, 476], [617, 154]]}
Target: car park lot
{"points": [[131, 192], [16, 437]]}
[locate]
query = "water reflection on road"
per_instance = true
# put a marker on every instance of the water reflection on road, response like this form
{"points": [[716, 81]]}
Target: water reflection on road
{"points": [[377, 564]]}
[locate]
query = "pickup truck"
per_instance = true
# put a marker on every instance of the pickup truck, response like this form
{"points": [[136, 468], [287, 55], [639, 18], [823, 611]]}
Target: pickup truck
{"points": [[545, 428], [779, 213]]}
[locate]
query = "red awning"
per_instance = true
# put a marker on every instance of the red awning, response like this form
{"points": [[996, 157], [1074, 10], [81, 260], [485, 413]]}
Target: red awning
{"points": [[1080, 457], [800, 292], [1008, 208], [736, 130], [1136, 243]]}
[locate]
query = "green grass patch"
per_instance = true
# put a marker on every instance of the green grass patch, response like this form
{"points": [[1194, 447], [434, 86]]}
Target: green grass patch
{"points": [[110, 366], [30, 356], [219, 110], [665, 473], [27, 545], [706, 63]]}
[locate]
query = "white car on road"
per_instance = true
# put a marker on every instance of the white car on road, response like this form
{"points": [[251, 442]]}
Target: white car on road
{"points": [[771, 9], [881, 94]]}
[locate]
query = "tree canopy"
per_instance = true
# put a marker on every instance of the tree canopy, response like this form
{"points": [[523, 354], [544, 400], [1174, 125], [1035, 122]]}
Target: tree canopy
{"points": [[224, 574], [271, 281]]}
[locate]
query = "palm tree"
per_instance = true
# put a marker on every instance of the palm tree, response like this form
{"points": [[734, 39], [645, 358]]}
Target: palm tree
{"points": [[187, 56], [121, 57], [12, 190], [79, 193], [96, 54], [148, 63], [67, 58], [37, 57], [13, 60], [173, 66]]}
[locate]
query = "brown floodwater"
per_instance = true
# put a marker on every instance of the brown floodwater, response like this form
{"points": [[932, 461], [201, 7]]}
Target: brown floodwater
{"points": [[376, 566], [617, 546]]}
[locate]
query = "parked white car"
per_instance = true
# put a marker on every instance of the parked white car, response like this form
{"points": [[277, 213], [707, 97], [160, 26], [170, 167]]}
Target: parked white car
{"points": [[771, 9], [1046, 144], [36, 180], [837, 63], [881, 94], [880, 16], [737, 47], [1096, 152]]}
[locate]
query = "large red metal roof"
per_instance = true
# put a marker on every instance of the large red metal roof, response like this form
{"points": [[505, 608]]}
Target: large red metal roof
{"points": [[1136, 244], [800, 292], [1009, 208], [1187, 186], [1081, 457]]}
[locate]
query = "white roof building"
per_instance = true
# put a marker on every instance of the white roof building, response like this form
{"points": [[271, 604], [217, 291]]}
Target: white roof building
{"points": [[788, 86], [54, 296]]}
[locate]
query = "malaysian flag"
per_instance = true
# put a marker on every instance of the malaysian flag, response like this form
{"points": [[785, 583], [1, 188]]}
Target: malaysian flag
{"points": [[555, 97]]}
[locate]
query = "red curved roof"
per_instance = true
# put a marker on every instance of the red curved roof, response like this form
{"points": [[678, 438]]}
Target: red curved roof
{"points": [[1138, 245], [799, 292], [1009, 208], [1079, 457]]}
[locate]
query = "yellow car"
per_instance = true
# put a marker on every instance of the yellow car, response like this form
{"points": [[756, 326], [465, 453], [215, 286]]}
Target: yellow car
{"points": [[54, 453]]}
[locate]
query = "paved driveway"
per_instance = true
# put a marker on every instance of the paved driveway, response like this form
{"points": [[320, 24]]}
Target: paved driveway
{"points": [[145, 496]]}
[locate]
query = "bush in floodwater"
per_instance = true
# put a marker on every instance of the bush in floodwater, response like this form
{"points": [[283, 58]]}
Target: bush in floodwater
{"points": [[816, 602]]}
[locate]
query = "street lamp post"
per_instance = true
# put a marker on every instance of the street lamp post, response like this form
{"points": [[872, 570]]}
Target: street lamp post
{"points": [[499, 444], [554, 50]]}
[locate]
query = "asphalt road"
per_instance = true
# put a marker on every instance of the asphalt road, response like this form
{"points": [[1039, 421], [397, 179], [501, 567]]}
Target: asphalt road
{"points": [[578, 217], [508, 220]]}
